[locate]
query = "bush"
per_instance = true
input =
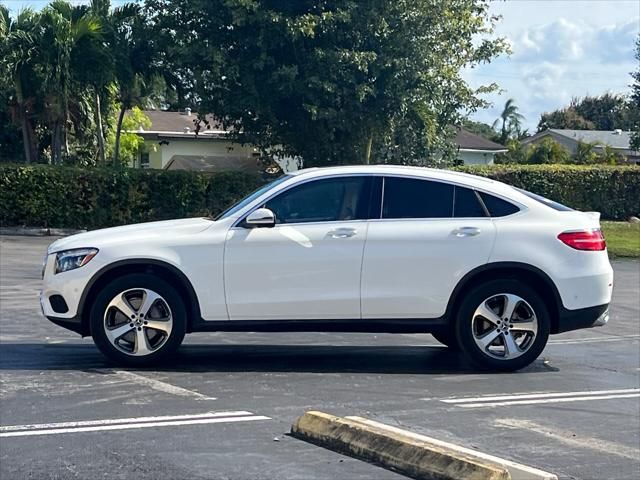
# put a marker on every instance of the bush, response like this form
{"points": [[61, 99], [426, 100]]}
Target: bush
{"points": [[45, 196], [614, 191], [67, 197]]}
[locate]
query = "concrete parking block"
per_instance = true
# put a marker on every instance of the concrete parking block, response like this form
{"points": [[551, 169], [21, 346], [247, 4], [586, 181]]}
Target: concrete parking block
{"points": [[394, 449]]}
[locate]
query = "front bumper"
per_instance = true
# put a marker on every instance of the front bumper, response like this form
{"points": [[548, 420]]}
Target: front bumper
{"points": [[74, 324], [583, 318]]}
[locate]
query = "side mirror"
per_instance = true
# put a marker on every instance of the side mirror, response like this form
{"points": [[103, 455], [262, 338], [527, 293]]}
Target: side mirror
{"points": [[262, 217]]}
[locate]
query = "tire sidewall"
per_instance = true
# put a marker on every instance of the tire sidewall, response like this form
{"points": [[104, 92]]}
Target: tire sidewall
{"points": [[475, 297], [170, 295]]}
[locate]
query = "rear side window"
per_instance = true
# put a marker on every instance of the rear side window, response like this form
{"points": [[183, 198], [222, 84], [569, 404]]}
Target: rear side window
{"points": [[545, 201], [466, 204], [498, 207], [413, 198]]}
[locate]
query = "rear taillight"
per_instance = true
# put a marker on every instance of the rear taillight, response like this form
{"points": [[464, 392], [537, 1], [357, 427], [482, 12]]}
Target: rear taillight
{"points": [[584, 240]]}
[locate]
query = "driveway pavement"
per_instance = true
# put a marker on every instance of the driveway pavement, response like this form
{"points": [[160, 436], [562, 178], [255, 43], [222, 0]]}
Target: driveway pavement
{"points": [[222, 410]]}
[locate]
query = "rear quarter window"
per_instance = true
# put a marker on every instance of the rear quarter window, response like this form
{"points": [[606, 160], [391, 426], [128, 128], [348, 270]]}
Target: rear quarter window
{"points": [[498, 207]]}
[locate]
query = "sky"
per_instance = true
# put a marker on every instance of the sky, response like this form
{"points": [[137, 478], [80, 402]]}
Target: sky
{"points": [[560, 49]]}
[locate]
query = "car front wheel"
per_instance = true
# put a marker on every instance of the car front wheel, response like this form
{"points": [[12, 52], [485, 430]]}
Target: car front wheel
{"points": [[503, 325], [138, 320]]}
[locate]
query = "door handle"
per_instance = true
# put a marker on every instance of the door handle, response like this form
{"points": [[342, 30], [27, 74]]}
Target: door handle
{"points": [[342, 233], [466, 232]]}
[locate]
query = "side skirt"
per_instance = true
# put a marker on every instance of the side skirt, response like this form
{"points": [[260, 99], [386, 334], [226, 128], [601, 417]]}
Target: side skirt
{"points": [[397, 325]]}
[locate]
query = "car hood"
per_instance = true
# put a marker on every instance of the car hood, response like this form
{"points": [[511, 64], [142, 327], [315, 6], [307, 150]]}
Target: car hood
{"points": [[141, 232]]}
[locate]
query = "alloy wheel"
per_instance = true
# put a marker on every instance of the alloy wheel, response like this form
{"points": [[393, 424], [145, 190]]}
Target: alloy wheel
{"points": [[138, 321], [504, 326]]}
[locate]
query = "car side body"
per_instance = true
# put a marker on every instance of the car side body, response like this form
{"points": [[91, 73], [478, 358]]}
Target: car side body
{"points": [[367, 271]]}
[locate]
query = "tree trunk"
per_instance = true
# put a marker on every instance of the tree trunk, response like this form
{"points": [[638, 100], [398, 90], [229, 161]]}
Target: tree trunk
{"points": [[100, 131], [116, 150], [24, 121], [367, 152], [56, 143]]}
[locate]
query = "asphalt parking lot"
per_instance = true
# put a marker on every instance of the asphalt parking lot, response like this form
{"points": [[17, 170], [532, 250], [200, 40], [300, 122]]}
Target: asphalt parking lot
{"points": [[225, 405]]}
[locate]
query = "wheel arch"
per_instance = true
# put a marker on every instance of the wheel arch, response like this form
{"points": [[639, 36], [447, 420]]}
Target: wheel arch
{"points": [[532, 275], [171, 274]]}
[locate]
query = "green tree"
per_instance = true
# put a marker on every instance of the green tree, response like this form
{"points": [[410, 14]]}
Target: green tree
{"points": [[548, 151], [482, 129], [332, 81], [510, 121], [635, 101], [604, 112], [130, 144], [19, 39]]}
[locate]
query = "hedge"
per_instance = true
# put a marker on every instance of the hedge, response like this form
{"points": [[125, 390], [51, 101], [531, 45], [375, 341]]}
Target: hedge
{"points": [[614, 191], [67, 197]]}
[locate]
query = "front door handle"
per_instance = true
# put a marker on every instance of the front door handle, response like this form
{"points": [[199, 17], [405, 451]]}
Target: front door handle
{"points": [[342, 233], [466, 232]]}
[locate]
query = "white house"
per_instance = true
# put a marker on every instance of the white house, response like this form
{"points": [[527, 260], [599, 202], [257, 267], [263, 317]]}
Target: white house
{"points": [[476, 150]]}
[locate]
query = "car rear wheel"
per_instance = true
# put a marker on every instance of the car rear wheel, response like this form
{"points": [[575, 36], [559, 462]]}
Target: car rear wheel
{"points": [[138, 320], [503, 325]]}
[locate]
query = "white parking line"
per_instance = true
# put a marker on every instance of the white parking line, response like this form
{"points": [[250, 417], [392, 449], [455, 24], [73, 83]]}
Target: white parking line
{"points": [[561, 435], [539, 398], [127, 423], [161, 386], [570, 341]]}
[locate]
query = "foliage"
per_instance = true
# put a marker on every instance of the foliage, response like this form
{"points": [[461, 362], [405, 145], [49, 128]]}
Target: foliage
{"points": [[606, 112], [635, 100], [75, 198], [614, 191], [548, 151], [481, 129], [510, 122], [71, 197], [131, 145], [328, 80]]}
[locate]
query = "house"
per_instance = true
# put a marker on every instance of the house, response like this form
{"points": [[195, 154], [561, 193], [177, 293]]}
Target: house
{"points": [[171, 143], [618, 140], [476, 150]]}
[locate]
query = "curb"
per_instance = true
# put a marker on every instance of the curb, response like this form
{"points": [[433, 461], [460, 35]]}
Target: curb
{"points": [[411, 454], [39, 232], [392, 450]]}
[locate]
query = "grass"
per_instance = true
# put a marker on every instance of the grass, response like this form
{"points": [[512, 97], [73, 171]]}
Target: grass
{"points": [[623, 238]]}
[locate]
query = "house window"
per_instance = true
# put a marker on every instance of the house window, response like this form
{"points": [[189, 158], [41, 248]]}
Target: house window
{"points": [[144, 160]]}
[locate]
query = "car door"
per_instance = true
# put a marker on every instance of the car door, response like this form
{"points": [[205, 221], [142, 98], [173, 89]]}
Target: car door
{"points": [[429, 236], [307, 266]]}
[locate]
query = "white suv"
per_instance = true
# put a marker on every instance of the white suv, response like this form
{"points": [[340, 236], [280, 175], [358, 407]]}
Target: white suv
{"points": [[481, 265]]}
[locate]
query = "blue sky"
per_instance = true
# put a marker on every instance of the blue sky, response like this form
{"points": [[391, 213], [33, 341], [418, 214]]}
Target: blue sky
{"points": [[561, 49]]}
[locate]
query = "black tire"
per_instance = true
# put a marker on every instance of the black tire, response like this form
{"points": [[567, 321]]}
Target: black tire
{"points": [[447, 338], [168, 344], [464, 326]]}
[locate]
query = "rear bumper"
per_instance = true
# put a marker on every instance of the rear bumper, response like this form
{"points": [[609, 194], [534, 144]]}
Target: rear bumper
{"points": [[583, 318]]}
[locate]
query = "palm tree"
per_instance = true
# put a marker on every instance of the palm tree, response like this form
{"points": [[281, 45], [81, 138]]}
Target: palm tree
{"points": [[18, 49], [63, 27], [511, 120]]}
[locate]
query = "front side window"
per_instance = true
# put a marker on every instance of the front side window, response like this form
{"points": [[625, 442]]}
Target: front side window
{"points": [[251, 197], [414, 198], [326, 200]]}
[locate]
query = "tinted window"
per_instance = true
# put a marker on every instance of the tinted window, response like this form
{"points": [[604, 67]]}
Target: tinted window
{"points": [[412, 198], [498, 207], [251, 197], [466, 204], [327, 200], [546, 201]]}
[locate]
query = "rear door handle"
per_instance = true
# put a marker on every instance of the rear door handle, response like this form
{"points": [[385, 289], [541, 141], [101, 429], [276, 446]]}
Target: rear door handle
{"points": [[466, 232], [342, 233]]}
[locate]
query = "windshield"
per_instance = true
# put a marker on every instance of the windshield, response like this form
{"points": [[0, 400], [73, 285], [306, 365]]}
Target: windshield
{"points": [[251, 197]]}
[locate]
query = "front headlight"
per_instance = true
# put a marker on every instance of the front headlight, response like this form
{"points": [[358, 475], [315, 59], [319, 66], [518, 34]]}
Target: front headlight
{"points": [[72, 259]]}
